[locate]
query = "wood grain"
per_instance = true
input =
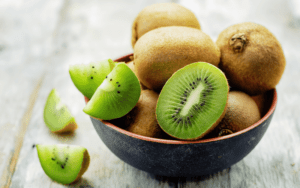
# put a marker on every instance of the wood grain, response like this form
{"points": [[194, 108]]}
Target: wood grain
{"points": [[7, 175]]}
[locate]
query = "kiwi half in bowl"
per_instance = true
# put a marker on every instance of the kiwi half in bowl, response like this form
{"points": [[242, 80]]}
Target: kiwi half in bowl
{"points": [[193, 101], [183, 158]]}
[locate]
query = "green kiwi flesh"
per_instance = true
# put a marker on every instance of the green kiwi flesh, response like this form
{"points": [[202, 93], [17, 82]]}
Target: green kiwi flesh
{"points": [[63, 163], [116, 96], [193, 101], [57, 116], [88, 77]]}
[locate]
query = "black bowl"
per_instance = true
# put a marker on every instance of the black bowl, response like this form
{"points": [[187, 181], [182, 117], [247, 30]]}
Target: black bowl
{"points": [[176, 158]]}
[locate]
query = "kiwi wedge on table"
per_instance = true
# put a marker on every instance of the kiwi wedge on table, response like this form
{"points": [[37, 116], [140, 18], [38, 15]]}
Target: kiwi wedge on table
{"points": [[193, 101], [57, 116], [63, 163], [116, 96]]}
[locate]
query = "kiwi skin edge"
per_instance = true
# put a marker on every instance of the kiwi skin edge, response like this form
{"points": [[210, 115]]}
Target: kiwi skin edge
{"points": [[69, 128], [84, 166]]}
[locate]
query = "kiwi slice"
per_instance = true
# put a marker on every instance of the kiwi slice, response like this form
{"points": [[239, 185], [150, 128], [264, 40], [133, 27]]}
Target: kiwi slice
{"points": [[57, 116], [193, 101], [88, 77], [116, 96], [63, 163]]}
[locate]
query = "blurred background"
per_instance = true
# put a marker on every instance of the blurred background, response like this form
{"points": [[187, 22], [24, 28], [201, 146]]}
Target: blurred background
{"points": [[39, 39]]}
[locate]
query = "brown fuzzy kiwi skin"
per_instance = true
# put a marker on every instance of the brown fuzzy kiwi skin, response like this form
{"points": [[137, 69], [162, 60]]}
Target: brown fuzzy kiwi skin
{"points": [[130, 64], [143, 116], [260, 101], [161, 52], [162, 15], [251, 57], [71, 127], [84, 166], [241, 113]]}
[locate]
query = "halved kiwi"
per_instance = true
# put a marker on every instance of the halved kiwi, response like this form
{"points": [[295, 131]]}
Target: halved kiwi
{"points": [[57, 116], [63, 163], [116, 96], [88, 77], [193, 101]]}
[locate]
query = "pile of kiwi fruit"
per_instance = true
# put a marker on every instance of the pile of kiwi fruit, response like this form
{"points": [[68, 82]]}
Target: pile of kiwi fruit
{"points": [[169, 44], [180, 84]]}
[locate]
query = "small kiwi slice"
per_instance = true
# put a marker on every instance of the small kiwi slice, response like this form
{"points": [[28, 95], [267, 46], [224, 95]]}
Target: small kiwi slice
{"points": [[116, 96], [57, 116], [241, 113], [88, 77], [193, 101], [63, 163]]}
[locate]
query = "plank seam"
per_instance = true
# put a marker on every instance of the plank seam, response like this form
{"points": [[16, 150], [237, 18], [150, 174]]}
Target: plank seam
{"points": [[7, 175]]}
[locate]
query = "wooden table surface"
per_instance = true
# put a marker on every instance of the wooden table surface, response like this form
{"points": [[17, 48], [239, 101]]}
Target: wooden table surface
{"points": [[39, 39]]}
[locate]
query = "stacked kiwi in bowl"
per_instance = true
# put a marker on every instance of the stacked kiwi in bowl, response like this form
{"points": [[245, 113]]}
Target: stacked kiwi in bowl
{"points": [[182, 104]]}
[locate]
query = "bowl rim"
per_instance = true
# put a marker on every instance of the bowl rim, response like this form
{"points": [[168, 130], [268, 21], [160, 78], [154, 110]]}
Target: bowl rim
{"points": [[167, 141]]}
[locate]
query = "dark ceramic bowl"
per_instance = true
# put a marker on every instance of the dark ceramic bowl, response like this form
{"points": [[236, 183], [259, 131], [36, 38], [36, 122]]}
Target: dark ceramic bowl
{"points": [[183, 158]]}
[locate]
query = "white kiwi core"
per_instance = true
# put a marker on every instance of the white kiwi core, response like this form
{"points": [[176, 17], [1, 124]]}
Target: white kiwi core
{"points": [[61, 154], [192, 99], [107, 86]]}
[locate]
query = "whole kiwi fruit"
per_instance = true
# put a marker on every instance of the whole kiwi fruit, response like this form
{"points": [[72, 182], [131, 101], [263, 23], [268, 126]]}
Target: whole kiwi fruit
{"points": [[241, 113], [161, 15], [143, 119], [251, 57], [162, 51]]}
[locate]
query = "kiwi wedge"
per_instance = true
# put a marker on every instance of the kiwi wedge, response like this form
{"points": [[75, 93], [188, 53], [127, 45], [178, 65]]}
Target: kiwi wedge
{"points": [[64, 164], [162, 15], [193, 101], [57, 116], [88, 77], [116, 96]]}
